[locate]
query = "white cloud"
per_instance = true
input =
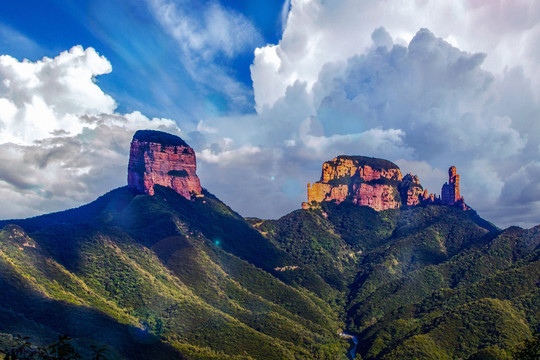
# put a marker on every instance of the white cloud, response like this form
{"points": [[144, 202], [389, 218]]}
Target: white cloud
{"points": [[217, 30], [319, 32], [41, 97], [61, 141], [226, 157], [374, 142], [426, 104], [438, 95]]}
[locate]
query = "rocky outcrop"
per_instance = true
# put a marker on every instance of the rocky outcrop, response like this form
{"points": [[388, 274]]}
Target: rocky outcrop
{"points": [[450, 191], [363, 180], [377, 183], [158, 158], [377, 196], [411, 192]]}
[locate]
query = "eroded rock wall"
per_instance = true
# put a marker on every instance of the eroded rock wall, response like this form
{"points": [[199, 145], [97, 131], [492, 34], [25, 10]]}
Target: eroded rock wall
{"points": [[158, 158], [363, 180], [377, 183]]}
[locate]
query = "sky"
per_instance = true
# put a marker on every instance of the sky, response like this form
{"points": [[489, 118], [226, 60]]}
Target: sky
{"points": [[265, 91]]}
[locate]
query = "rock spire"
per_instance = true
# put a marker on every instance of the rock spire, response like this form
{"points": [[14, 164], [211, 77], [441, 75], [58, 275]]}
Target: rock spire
{"points": [[450, 191], [159, 158]]}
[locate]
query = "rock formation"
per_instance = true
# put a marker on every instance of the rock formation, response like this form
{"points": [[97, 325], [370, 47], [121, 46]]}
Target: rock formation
{"points": [[363, 180], [411, 191], [377, 183], [158, 158], [450, 191]]}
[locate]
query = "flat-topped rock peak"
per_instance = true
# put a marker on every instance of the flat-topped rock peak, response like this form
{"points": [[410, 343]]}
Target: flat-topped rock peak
{"points": [[377, 183], [159, 158], [363, 180]]}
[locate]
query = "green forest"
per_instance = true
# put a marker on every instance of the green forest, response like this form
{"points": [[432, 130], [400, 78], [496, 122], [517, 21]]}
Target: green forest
{"points": [[133, 276]]}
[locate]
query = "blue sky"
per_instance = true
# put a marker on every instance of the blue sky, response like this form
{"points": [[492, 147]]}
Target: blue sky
{"points": [[266, 91], [131, 38]]}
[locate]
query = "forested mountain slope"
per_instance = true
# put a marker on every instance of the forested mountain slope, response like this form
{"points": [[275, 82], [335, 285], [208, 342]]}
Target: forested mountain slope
{"points": [[429, 281], [161, 275]]}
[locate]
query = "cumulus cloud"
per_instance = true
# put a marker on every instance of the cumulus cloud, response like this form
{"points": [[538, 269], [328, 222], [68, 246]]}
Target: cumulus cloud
{"points": [[61, 141], [438, 95], [425, 104], [38, 98], [319, 32]]}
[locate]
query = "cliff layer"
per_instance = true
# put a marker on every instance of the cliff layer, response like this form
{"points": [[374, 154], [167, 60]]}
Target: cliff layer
{"points": [[158, 158], [363, 180], [377, 183]]}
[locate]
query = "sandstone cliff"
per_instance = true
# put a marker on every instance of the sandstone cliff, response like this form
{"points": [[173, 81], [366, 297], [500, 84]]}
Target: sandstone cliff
{"points": [[377, 183], [158, 158], [411, 192], [363, 180]]}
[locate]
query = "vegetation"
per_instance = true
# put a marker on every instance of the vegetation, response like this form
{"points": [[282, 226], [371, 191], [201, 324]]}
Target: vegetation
{"points": [[22, 348], [429, 282], [159, 137], [374, 163], [164, 277]]}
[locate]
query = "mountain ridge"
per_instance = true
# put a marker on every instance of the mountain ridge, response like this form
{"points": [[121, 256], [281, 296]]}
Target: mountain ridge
{"points": [[176, 273]]}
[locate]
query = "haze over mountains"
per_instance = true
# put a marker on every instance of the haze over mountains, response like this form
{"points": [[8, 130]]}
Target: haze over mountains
{"points": [[162, 269]]}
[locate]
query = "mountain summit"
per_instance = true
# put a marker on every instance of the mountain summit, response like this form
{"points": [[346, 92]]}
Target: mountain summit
{"points": [[158, 158], [379, 184]]}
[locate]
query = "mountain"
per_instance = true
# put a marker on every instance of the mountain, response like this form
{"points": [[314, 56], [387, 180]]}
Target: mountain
{"points": [[162, 269], [171, 275], [424, 279]]}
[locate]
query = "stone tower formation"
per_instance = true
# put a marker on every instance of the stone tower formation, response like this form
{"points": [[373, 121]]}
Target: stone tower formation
{"points": [[158, 158], [450, 191]]}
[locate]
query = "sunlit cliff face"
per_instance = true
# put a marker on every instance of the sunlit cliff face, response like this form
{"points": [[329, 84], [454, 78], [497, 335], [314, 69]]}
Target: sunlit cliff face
{"points": [[158, 158]]}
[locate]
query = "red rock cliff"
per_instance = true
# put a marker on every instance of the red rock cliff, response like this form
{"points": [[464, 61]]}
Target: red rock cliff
{"points": [[158, 158], [411, 191], [363, 180], [377, 183]]}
